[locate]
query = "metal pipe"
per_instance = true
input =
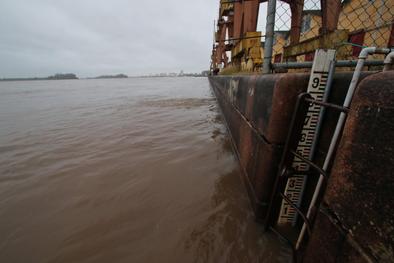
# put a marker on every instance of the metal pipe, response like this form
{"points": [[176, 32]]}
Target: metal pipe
{"points": [[339, 63], [295, 207], [327, 105], [310, 163], [389, 60], [338, 129], [269, 36]]}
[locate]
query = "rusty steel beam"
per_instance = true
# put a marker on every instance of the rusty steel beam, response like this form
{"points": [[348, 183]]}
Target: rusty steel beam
{"points": [[213, 59], [250, 15], [230, 26], [221, 56], [245, 17], [238, 17], [296, 8], [239, 1], [330, 15]]}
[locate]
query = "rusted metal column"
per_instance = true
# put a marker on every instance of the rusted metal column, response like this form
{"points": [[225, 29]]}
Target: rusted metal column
{"points": [[250, 15], [218, 46], [238, 16], [213, 59], [296, 8], [269, 36], [221, 49], [223, 45], [213, 55], [330, 14], [230, 26]]}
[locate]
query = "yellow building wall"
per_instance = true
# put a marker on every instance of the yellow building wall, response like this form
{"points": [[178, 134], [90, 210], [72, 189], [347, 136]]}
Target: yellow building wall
{"points": [[366, 14], [278, 47], [316, 24], [374, 17]]}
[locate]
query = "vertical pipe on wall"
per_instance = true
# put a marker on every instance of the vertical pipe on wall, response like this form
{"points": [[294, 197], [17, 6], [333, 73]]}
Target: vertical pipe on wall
{"points": [[269, 36]]}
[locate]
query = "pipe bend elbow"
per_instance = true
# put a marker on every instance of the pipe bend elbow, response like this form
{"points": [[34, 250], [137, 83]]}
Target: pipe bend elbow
{"points": [[389, 58], [365, 52], [388, 61]]}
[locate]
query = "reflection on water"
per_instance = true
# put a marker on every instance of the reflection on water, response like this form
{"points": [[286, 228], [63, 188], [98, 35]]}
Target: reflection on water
{"points": [[130, 170]]}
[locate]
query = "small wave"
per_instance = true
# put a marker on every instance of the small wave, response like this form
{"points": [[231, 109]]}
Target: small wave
{"points": [[178, 103]]}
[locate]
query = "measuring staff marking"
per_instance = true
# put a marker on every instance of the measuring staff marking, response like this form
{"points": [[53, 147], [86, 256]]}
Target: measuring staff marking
{"points": [[295, 185]]}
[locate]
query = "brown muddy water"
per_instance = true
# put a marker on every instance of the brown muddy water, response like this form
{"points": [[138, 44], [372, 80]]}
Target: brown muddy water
{"points": [[128, 170]]}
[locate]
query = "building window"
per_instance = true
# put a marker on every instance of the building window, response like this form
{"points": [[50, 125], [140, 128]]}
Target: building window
{"points": [[358, 41], [306, 24], [309, 56], [278, 58]]}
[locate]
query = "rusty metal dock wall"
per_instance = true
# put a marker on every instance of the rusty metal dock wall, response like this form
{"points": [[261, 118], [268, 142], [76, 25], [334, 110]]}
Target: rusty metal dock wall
{"points": [[258, 111], [355, 222]]}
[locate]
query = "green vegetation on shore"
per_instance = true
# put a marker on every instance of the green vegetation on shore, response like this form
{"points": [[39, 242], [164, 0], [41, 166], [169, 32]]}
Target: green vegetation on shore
{"points": [[118, 76], [54, 77]]}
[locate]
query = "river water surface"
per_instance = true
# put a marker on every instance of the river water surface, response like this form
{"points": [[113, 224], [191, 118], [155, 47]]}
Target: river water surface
{"points": [[122, 170]]}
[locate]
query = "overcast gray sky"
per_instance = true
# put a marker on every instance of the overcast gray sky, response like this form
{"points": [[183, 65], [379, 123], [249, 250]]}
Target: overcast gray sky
{"points": [[93, 37]]}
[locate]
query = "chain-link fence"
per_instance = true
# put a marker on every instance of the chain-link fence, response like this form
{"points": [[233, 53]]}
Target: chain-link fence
{"points": [[294, 29], [357, 24]]}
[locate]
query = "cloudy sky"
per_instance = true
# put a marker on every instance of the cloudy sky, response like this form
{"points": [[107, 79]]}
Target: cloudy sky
{"points": [[94, 37]]}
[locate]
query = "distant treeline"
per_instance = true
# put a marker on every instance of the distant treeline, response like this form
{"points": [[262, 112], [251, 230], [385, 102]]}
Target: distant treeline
{"points": [[54, 77], [63, 76], [118, 76]]}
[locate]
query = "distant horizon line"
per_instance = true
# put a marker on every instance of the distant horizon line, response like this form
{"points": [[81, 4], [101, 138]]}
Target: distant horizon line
{"points": [[161, 74], [86, 78]]}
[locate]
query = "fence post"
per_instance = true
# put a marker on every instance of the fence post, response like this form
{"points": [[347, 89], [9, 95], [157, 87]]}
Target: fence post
{"points": [[269, 36]]}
